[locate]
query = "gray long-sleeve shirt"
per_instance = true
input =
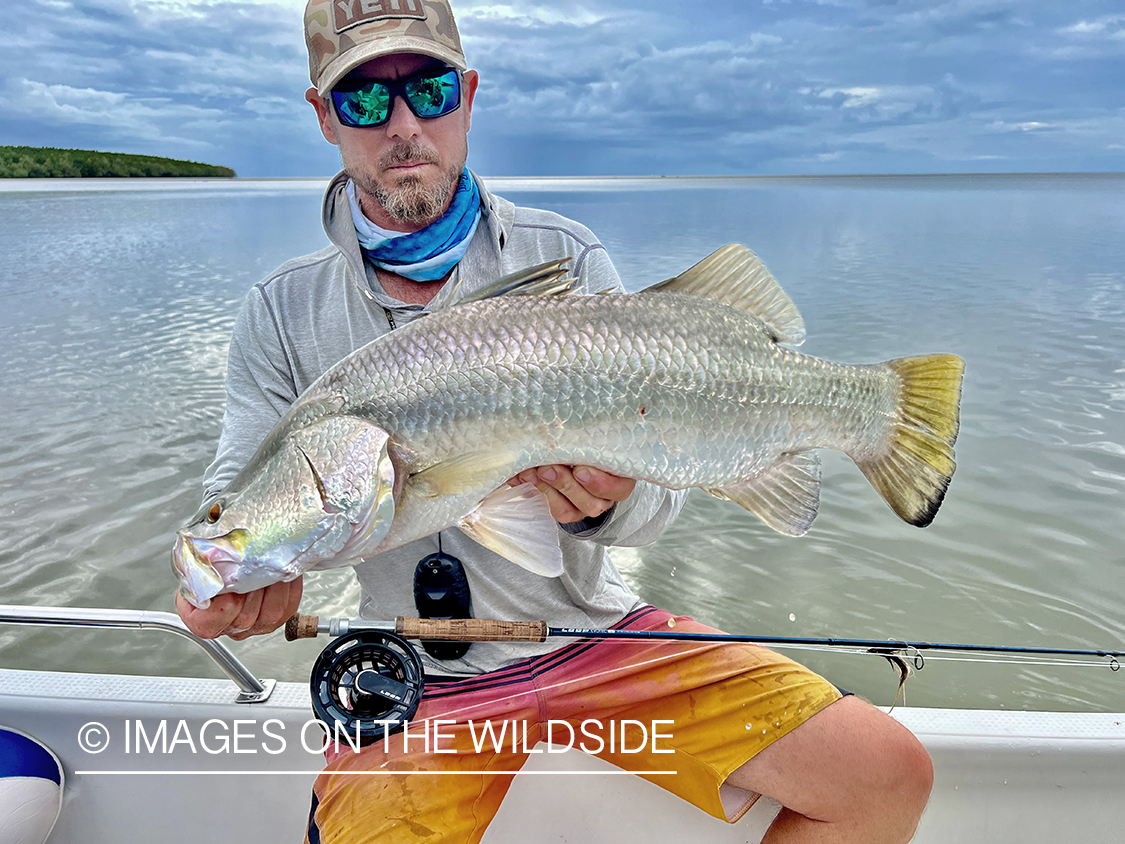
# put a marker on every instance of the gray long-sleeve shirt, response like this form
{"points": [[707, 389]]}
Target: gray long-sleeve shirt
{"points": [[315, 310]]}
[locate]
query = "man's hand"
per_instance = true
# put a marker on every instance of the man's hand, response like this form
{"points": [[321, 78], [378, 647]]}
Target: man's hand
{"points": [[243, 616], [576, 492]]}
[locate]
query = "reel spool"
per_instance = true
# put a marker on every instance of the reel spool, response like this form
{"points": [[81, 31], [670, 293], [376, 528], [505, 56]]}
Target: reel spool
{"points": [[364, 678]]}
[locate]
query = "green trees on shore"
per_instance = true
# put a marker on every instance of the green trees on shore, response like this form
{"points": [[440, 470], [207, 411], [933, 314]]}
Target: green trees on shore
{"points": [[47, 162]]}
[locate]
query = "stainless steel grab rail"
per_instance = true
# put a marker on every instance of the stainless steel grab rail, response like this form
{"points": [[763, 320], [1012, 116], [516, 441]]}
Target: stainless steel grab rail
{"points": [[251, 689]]}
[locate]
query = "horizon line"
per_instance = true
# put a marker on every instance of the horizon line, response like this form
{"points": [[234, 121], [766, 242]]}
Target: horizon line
{"points": [[717, 176]]}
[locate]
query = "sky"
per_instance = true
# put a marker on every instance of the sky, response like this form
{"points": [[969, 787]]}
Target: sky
{"points": [[580, 87]]}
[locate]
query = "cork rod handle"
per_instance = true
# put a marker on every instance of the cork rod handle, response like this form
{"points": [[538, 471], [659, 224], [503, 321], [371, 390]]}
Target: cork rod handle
{"points": [[471, 629], [450, 630]]}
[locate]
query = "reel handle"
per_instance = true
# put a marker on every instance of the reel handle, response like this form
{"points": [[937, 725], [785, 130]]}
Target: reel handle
{"points": [[446, 629], [301, 627]]}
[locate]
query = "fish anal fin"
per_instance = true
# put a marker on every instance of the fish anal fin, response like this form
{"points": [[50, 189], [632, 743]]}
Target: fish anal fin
{"points": [[735, 276], [516, 523], [548, 279], [470, 471], [786, 496]]}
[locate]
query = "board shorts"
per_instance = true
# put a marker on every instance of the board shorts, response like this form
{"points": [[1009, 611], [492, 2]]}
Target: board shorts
{"points": [[698, 710]]}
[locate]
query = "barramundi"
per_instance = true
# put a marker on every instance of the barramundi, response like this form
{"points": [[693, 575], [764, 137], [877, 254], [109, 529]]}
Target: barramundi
{"points": [[689, 383]]}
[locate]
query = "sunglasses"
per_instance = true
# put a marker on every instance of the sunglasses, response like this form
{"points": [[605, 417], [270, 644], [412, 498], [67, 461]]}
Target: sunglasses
{"points": [[365, 103]]}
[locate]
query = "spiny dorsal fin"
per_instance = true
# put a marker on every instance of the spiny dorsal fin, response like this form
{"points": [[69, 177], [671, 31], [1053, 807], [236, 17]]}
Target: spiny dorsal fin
{"points": [[736, 276], [549, 279]]}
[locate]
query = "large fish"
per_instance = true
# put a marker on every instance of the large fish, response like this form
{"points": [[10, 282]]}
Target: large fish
{"points": [[685, 384]]}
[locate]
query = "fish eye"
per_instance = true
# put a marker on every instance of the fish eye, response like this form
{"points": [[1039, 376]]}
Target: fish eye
{"points": [[214, 512]]}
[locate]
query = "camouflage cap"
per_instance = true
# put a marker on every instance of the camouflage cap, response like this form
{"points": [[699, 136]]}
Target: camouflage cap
{"points": [[343, 34]]}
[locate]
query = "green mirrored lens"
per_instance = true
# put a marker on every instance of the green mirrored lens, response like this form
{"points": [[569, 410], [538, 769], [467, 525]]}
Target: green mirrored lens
{"points": [[369, 106], [433, 96]]}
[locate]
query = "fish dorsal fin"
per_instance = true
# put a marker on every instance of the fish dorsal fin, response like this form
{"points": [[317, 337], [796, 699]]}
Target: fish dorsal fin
{"points": [[516, 523], [786, 496], [549, 279], [735, 276]]}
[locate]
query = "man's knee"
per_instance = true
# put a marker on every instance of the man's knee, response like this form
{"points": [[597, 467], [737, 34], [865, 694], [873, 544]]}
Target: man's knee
{"points": [[898, 775], [895, 760], [850, 760], [913, 768]]}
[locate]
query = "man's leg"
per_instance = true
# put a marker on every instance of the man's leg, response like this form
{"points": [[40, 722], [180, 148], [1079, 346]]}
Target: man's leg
{"points": [[848, 774], [431, 782]]}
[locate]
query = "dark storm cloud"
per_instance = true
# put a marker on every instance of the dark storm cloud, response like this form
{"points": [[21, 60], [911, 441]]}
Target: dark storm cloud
{"points": [[595, 87]]}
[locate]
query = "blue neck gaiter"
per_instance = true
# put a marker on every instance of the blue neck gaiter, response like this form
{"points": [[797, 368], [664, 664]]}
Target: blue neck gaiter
{"points": [[427, 254]]}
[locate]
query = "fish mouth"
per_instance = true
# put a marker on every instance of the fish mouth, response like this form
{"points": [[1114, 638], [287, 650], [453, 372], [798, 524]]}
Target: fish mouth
{"points": [[208, 567], [200, 581]]}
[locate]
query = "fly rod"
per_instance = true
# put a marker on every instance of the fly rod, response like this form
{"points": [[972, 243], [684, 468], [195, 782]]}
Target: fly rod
{"points": [[492, 630], [369, 679]]}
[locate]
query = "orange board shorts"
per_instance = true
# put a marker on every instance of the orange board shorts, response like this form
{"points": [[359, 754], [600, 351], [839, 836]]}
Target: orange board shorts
{"points": [[698, 710]]}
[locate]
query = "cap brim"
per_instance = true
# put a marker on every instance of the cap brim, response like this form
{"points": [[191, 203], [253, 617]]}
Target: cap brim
{"points": [[344, 64]]}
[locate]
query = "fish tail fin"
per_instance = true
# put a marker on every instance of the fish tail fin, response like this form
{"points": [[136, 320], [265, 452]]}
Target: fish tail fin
{"points": [[912, 469]]}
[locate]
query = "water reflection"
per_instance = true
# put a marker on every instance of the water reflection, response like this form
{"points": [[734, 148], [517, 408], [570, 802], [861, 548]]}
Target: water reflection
{"points": [[115, 341]]}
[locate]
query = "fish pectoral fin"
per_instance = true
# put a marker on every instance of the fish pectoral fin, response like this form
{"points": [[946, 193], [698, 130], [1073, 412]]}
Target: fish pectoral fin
{"points": [[786, 496], [735, 276], [516, 523], [470, 471], [549, 279]]}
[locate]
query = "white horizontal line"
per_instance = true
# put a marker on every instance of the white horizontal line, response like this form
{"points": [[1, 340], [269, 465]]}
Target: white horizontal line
{"points": [[373, 773]]}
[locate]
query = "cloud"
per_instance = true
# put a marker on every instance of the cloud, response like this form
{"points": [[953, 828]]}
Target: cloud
{"points": [[799, 84], [1107, 26], [529, 15], [574, 86], [217, 80]]}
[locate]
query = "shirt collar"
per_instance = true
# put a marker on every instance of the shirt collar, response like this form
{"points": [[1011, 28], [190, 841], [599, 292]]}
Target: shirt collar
{"points": [[481, 261]]}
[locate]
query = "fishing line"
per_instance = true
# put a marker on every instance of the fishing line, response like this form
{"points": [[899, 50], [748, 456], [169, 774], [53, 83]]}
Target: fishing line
{"points": [[1013, 659], [1112, 665]]}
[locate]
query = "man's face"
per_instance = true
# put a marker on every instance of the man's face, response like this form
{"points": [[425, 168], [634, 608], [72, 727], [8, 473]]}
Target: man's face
{"points": [[407, 169]]}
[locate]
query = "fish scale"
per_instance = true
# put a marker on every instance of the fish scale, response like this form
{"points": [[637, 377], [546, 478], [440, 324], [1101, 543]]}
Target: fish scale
{"points": [[683, 385], [720, 398]]}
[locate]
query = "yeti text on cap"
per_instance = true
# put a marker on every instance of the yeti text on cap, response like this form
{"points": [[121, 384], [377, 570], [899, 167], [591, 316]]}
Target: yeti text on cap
{"points": [[350, 12]]}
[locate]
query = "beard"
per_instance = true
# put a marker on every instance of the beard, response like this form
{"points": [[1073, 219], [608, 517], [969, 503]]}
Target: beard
{"points": [[410, 200]]}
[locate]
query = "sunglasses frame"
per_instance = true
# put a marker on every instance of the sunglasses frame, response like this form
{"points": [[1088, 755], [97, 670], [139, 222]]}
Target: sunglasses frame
{"points": [[396, 88]]}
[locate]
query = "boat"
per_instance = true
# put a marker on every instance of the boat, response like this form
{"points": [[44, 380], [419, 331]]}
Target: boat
{"points": [[171, 759]]}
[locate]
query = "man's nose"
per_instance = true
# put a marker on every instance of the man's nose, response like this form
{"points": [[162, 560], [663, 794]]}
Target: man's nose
{"points": [[403, 124]]}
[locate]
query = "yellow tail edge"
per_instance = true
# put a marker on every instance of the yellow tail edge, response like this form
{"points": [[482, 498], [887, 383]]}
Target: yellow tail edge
{"points": [[913, 470]]}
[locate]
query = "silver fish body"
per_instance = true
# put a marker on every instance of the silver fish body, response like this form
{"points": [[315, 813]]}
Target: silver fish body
{"points": [[675, 388], [665, 387]]}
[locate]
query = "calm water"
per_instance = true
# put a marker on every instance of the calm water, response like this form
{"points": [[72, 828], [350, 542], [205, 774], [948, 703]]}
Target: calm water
{"points": [[117, 299]]}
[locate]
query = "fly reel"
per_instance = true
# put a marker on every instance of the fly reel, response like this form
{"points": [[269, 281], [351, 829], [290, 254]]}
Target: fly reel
{"points": [[368, 682]]}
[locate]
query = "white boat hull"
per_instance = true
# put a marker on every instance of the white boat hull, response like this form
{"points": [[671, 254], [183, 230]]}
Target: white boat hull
{"points": [[1000, 776]]}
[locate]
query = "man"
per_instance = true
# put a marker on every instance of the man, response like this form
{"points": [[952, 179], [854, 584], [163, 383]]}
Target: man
{"points": [[392, 91]]}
